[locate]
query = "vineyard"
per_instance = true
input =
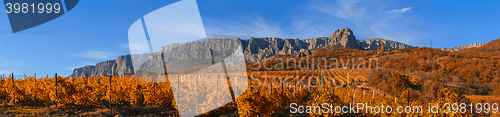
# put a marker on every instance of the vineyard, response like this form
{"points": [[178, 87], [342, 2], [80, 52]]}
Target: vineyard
{"points": [[315, 87], [85, 92], [269, 93]]}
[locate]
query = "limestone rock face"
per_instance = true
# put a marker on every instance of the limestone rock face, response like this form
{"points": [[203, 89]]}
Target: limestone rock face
{"points": [[84, 71], [463, 47], [304, 52], [344, 37], [122, 65], [376, 43], [254, 49]]}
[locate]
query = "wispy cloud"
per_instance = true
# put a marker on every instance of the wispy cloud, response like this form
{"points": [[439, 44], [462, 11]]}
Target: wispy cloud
{"points": [[293, 25], [6, 63], [124, 46], [373, 19], [256, 25], [403, 10], [7, 71], [95, 54], [368, 19], [399, 12], [7, 66], [252, 26], [346, 9]]}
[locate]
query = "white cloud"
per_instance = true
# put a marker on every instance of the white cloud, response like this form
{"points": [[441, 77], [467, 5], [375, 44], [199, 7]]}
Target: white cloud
{"points": [[399, 12], [124, 46], [251, 26], [7, 63], [403, 10], [368, 19], [7, 71], [7, 66], [257, 26], [95, 54], [371, 19], [346, 9]]}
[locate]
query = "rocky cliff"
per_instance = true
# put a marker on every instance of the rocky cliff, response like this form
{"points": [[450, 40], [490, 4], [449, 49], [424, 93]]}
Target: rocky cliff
{"points": [[463, 47], [121, 65], [257, 48], [375, 43], [344, 37]]}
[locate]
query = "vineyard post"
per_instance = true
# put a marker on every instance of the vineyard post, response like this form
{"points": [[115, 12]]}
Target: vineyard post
{"points": [[154, 87], [281, 83], [321, 81], [333, 90], [4, 90], [12, 79], [251, 87], [56, 88], [216, 87], [354, 97], [235, 86], [178, 84], [196, 86], [35, 89], [408, 96], [109, 93], [361, 98], [373, 94], [271, 86]]}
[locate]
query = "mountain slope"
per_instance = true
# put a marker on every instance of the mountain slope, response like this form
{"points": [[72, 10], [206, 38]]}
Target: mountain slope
{"points": [[490, 50]]}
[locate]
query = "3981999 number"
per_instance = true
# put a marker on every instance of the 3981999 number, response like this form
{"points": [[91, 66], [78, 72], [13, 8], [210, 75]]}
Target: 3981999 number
{"points": [[27, 7]]}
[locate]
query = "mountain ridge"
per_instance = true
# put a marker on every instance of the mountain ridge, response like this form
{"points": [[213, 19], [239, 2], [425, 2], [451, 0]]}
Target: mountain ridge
{"points": [[463, 47], [253, 49]]}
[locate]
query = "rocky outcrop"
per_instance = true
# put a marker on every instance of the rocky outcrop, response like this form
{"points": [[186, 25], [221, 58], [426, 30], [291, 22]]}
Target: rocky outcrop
{"points": [[376, 43], [121, 65], [84, 71], [463, 47], [253, 49], [345, 38]]}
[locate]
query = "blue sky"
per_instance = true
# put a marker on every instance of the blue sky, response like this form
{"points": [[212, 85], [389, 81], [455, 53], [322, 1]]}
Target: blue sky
{"points": [[96, 30]]}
